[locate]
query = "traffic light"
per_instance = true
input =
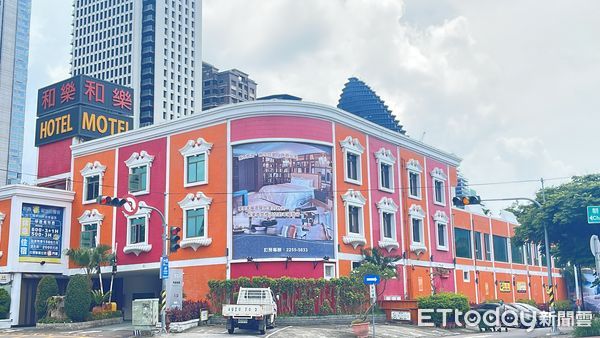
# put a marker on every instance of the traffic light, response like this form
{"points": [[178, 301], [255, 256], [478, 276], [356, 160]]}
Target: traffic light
{"points": [[465, 200], [112, 201], [174, 239]]}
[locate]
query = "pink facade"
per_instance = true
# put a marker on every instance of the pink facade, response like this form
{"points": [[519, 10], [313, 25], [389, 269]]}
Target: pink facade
{"points": [[278, 269], [281, 127], [54, 158]]}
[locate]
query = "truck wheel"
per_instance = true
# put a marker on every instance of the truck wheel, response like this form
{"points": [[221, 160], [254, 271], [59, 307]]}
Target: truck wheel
{"points": [[230, 326], [263, 326], [230, 331], [271, 322]]}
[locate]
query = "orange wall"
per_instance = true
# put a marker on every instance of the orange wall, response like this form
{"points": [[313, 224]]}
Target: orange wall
{"points": [[419, 281], [5, 231], [217, 184], [195, 280], [466, 288]]}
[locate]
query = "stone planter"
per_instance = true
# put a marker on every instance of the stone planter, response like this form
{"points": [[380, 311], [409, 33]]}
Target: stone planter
{"points": [[178, 327], [361, 330], [5, 323], [80, 325]]}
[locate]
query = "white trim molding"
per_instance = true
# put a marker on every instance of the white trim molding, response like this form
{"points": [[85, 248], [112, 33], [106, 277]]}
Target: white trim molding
{"points": [[385, 156], [414, 165], [194, 148], [193, 202], [440, 217], [355, 199], [139, 159], [352, 146], [387, 205], [439, 174], [2, 216], [416, 212], [137, 248], [91, 216], [92, 169]]}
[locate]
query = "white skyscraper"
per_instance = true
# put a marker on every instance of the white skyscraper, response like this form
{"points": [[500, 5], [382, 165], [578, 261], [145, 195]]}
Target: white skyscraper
{"points": [[153, 46]]}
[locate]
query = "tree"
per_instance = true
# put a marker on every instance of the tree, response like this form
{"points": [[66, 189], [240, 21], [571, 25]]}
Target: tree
{"points": [[374, 262], [565, 214], [91, 259], [78, 298], [47, 287]]}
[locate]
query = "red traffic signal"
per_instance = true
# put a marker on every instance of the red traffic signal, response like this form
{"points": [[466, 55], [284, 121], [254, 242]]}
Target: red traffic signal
{"points": [[111, 201], [461, 201]]}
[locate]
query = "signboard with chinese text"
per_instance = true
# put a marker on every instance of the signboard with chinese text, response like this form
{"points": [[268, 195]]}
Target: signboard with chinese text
{"points": [[85, 90], [282, 200], [522, 287], [82, 121], [41, 233], [504, 286], [593, 214]]}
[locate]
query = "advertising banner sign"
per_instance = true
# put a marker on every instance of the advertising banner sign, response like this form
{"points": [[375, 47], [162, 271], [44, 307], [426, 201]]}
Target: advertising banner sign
{"points": [[282, 200], [86, 122], [41, 233], [504, 286], [85, 90], [521, 287]]}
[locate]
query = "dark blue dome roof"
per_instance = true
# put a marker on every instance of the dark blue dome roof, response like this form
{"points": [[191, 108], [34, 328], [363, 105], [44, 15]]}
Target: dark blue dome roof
{"points": [[359, 99]]}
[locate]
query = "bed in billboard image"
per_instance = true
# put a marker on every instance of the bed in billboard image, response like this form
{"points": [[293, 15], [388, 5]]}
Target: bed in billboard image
{"points": [[282, 200]]}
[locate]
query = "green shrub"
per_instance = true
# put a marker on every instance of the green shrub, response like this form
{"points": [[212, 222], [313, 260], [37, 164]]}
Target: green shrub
{"points": [[107, 315], [305, 307], [444, 301], [78, 298], [592, 331], [4, 304], [563, 305], [47, 288], [54, 320], [325, 308], [528, 301]]}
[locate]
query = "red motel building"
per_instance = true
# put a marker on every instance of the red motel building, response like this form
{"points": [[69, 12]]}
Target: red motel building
{"points": [[265, 188]]}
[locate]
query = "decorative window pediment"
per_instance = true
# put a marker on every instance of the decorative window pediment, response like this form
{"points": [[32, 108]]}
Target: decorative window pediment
{"points": [[354, 197], [2, 216], [354, 239], [192, 201], [387, 204], [139, 159], [415, 211], [413, 165], [91, 216], [92, 169], [440, 216], [439, 174], [385, 155], [352, 144], [388, 244], [194, 147]]}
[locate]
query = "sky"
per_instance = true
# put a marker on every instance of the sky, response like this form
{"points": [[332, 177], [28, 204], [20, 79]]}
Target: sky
{"points": [[508, 86]]}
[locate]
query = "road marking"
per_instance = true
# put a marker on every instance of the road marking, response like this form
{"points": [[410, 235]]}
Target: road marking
{"points": [[277, 331]]}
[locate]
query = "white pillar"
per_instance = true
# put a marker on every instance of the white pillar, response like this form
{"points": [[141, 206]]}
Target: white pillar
{"points": [[15, 298]]}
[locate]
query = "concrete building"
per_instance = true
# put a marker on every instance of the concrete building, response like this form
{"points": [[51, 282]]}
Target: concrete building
{"points": [[225, 87], [14, 54], [153, 46]]}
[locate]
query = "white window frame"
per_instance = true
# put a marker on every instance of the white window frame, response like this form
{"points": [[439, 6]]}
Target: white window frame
{"points": [[388, 206], [325, 275], [356, 199], [193, 202], [137, 248], [2, 216], [440, 218], [466, 273], [415, 212], [138, 160], [438, 175], [193, 148], [385, 156], [89, 217], [413, 166], [92, 169], [352, 146]]}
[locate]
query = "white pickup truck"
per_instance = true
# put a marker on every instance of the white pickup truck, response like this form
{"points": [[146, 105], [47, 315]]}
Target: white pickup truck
{"points": [[256, 309]]}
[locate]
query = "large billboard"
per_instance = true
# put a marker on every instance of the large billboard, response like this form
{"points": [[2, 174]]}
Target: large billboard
{"points": [[282, 200], [40, 233]]}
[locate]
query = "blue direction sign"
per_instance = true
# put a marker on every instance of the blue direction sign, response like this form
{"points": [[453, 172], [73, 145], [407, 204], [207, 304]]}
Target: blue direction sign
{"points": [[371, 279], [164, 268], [593, 214]]}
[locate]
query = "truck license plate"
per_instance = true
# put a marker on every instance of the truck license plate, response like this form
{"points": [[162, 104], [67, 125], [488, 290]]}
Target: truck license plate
{"points": [[243, 321]]}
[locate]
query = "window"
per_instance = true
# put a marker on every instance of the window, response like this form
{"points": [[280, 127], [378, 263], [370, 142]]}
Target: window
{"points": [[439, 180], [89, 233], [466, 276], [353, 219], [500, 249], [354, 202], [194, 223], [355, 265], [92, 181], [417, 236], [385, 161], [442, 236], [387, 220], [478, 253], [462, 241], [414, 179], [196, 168], [352, 150], [139, 172], [488, 247], [137, 230], [517, 254], [329, 271], [417, 233], [195, 154]]}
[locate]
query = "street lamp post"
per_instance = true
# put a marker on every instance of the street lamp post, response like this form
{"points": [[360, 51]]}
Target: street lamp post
{"points": [[163, 313], [546, 244]]}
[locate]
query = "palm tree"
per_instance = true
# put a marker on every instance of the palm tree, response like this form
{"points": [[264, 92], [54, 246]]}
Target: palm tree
{"points": [[91, 259]]}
